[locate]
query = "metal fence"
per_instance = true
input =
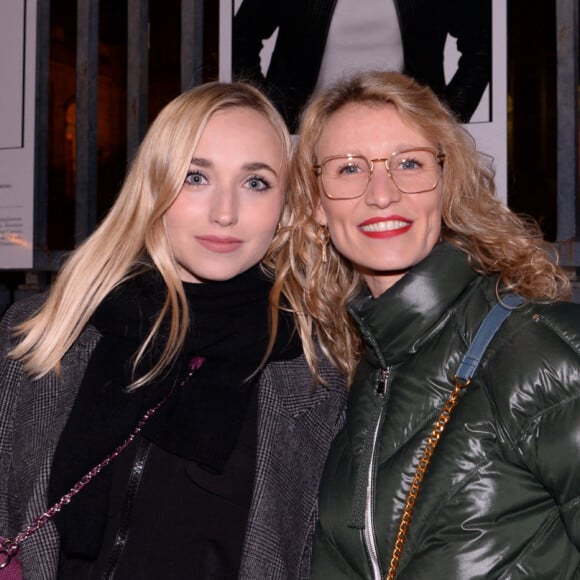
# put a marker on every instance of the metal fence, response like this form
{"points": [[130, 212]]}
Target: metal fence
{"points": [[191, 57], [191, 62]]}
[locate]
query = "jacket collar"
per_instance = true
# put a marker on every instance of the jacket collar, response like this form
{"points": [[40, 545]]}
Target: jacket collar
{"points": [[395, 324]]}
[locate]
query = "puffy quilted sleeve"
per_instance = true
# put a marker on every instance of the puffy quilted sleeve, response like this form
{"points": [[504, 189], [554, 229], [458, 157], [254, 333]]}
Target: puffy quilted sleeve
{"points": [[550, 438], [552, 449]]}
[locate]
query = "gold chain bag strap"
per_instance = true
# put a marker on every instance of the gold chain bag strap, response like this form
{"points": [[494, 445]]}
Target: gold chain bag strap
{"points": [[461, 379]]}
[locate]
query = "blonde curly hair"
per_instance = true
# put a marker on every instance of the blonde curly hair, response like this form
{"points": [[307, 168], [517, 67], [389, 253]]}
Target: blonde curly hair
{"points": [[496, 240]]}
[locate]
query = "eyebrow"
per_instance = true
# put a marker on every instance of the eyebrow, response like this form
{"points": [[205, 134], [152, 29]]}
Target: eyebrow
{"points": [[251, 166], [201, 162]]}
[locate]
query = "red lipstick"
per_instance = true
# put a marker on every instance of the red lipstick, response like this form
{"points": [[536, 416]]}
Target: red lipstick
{"points": [[385, 227]]}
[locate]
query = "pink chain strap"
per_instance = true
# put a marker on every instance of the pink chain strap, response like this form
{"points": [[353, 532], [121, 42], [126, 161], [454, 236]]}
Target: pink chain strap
{"points": [[10, 547]]}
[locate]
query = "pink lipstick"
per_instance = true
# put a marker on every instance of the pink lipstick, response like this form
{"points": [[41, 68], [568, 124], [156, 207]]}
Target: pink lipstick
{"points": [[219, 244]]}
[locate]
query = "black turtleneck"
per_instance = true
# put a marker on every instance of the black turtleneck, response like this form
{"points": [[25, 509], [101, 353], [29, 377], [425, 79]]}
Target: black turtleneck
{"points": [[195, 493]]}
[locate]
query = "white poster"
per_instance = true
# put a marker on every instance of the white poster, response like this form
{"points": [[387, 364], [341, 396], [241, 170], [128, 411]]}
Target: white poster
{"points": [[486, 119], [17, 113], [489, 128]]}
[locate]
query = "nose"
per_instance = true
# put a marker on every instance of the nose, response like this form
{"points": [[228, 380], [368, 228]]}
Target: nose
{"points": [[381, 191], [224, 207]]}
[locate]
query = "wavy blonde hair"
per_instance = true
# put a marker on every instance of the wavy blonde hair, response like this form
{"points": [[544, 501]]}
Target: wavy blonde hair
{"points": [[132, 238], [496, 240]]}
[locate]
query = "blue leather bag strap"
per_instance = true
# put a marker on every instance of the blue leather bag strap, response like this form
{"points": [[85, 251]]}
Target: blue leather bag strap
{"points": [[485, 333]]}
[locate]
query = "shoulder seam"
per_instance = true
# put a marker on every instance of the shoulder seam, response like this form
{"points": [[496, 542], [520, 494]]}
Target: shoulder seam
{"points": [[556, 330]]}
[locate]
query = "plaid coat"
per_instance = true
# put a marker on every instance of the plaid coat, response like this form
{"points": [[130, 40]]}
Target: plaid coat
{"points": [[296, 424]]}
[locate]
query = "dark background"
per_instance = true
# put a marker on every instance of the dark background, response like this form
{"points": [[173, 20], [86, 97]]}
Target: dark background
{"points": [[532, 105]]}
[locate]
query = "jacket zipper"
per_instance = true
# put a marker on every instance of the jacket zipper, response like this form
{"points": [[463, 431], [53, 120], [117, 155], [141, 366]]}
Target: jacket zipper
{"points": [[135, 476], [369, 535], [364, 518]]}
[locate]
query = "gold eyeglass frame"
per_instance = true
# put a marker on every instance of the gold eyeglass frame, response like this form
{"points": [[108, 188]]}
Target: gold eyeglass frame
{"points": [[439, 156]]}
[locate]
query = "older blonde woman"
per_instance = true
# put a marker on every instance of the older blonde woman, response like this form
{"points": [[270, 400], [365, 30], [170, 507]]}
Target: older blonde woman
{"points": [[162, 318], [396, 250]]}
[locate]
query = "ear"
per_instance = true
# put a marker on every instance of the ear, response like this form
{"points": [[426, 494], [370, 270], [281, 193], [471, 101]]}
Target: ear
{"points": [[320, 215]]}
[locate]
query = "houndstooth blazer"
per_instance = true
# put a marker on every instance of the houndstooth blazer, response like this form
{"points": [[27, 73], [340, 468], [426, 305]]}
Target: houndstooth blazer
{"points": [[296, 424]]}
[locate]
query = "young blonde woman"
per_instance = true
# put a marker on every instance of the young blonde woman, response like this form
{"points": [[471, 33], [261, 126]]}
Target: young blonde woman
{"points": [[161, 318], [396, 237]]}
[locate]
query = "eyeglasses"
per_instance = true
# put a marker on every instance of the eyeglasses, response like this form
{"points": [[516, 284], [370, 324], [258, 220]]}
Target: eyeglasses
{"points": [[415, 170]]}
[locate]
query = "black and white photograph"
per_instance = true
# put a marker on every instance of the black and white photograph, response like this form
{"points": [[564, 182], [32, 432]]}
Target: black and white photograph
{"points": [[293, 50]]}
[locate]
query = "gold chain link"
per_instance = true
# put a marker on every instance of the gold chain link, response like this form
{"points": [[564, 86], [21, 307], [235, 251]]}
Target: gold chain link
{"points": [[430, 445]]}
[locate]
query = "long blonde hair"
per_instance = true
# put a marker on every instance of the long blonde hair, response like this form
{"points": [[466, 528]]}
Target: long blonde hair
{"points": [[494, 238], [132, 238]]}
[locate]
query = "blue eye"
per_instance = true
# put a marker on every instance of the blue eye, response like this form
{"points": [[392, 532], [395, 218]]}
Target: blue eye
{"points": [[350, 169], [344, 167], [195, 178], [409, 164], [257, 183]]}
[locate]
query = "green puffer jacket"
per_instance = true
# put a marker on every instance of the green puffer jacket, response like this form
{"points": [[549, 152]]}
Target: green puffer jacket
{"points": [[501, 499]]}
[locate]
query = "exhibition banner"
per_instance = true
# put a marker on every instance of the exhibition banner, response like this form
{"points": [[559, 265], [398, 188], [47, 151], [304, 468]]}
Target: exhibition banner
{"points": [[291, 49], [17, 116]]}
